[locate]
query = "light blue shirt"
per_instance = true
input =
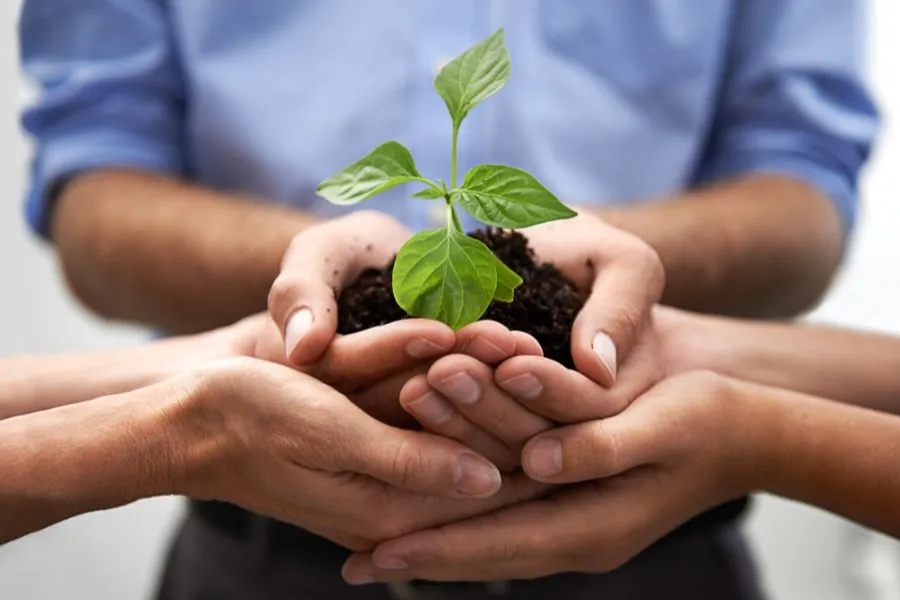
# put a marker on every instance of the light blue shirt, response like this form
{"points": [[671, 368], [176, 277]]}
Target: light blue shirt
{"points": [[609, 100]]}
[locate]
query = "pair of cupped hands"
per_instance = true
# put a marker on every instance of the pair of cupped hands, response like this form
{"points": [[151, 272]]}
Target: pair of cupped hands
{"points": [[467, 455]]}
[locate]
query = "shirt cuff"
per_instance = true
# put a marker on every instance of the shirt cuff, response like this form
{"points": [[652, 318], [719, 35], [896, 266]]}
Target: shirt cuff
{"points": [[834, 185]]}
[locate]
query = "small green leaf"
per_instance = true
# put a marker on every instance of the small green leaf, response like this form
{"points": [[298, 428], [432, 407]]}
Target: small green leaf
{"points": [[473, 76], [509, 197], [445, 275], [507, 282], [429, 193], [387, 166]]}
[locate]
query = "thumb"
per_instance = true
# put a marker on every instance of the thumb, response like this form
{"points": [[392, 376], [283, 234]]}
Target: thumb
{"points": [[316, 266], [619, 307], [302, 299], [596, 449]]}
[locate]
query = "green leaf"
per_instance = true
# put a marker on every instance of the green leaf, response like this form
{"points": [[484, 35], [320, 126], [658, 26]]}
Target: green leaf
{"points": [[445, 275], [429, 193], [387, 166], [509, 197], [507, 282], [473, 76]]}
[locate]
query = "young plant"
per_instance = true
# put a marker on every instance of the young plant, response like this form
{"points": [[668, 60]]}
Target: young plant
{"points": [[444, 274]]}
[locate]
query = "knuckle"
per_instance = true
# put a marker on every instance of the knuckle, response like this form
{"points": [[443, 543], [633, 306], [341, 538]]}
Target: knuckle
{"points": [[283, 293], [601, 449], [646, 261], [627, 321], [405, 463], [565, 405]]}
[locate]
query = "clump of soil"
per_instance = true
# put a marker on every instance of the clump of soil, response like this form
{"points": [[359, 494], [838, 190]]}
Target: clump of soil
{"points": [[545, 305]]}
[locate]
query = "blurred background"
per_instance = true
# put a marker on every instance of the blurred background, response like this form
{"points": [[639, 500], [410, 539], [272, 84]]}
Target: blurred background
{"points": [[115, 555]]}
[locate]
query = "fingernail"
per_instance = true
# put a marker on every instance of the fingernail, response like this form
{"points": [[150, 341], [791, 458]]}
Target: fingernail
{"points": [[297, 326], [603, 346], [390, 563], [475, 477], [422, 348], [430, 408], [461, 388], [359, 579], [526, 386], [544, 458]]}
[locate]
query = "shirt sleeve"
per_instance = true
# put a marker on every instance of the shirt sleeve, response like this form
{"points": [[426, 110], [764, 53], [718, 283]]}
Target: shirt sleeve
{"points": [[109, 89], [794, 101]]}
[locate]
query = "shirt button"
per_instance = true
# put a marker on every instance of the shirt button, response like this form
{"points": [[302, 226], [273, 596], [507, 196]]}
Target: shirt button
{"points": [[440, 64], [437, 213]]}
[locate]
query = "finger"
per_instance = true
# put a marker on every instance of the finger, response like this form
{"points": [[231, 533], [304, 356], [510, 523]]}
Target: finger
{"points": [[598, 449], [488, 341], [526, 345], [416, 461], [549, 389], [354, 361], [469, 385], [315, 267], [489, 547], [438, 416], [383, 512], [360, 569], [592, 528], [620, 303]]}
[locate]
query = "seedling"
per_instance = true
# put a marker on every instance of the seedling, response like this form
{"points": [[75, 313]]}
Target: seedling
{"points": [[444, 274]]}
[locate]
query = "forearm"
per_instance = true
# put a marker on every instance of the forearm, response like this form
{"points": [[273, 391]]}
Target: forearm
{"points": [[35, 383], [144, 248], [95, 455], [837, 457], [758, 247], [849, 366]]}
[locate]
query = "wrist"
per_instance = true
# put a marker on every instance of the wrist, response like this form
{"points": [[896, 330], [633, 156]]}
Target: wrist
{"points": [[195, 417], [762, 422]]}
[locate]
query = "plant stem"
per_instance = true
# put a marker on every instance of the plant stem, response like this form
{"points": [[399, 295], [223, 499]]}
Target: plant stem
{"points": [[452, 217], [453, 156]]}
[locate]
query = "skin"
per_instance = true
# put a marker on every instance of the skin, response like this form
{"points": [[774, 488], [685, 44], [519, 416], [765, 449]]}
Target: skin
{"points": [[760, 245], [692, 442], [145, 248], [695, 440], [196, 416], [621, 294]]}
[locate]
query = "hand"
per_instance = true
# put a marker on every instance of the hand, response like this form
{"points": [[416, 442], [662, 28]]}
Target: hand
{"points": [[624, 278], [318, 264], [280, 443], [495, 411], [457, 398], [685, 446], [405, 351]]}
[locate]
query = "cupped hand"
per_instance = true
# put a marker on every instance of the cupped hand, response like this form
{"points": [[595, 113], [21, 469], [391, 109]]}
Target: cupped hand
{"points": [[317, 266], [678, 450], [280, 443], [497, 409], [624, 279], [373, 366]]}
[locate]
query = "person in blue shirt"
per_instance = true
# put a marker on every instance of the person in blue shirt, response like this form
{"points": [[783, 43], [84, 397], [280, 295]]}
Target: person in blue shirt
{"points": [[178, 147]]}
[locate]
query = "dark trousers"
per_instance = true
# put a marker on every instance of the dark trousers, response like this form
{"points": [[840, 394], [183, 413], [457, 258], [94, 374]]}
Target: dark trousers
{"points": [[206, 564]]}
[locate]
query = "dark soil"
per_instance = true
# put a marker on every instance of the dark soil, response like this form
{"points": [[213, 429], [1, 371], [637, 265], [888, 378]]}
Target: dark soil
{"points": [[545, 304]]}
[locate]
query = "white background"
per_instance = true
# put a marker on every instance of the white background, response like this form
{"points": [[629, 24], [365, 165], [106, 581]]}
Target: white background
{"points": [[115, 555]]}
